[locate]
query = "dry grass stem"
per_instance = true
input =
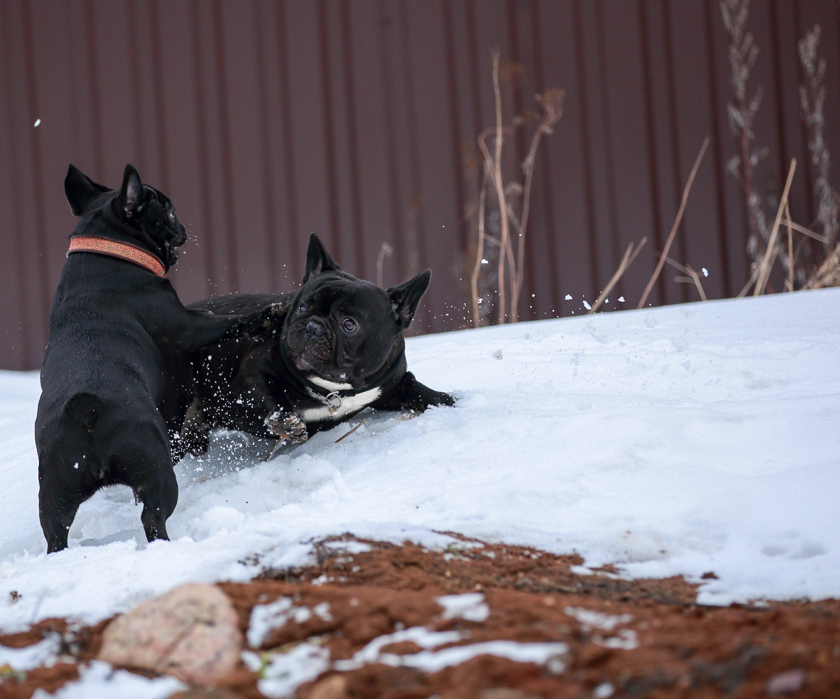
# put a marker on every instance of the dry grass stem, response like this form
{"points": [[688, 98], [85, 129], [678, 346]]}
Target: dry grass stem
{"points": [[675, 227], [500, 190], [479, 253], [788, 222], [347, 434], [690, 277], [629, 255], [770, 252], [552, 104], [828, 273], [806, 231], [384, 251]]}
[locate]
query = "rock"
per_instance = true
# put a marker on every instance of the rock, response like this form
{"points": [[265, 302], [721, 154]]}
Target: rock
{"points": [[785, 682], [334, 687], [191, 633]]}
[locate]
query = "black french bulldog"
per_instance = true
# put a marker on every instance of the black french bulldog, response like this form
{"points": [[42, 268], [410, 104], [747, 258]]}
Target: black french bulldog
{"points": [[337, 348], [118, 335]]}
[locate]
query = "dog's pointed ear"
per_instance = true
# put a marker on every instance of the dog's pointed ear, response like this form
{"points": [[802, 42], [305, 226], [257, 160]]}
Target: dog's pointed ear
{"points": [[318, 260], [406, 297], [80, 189], [132, 194]]}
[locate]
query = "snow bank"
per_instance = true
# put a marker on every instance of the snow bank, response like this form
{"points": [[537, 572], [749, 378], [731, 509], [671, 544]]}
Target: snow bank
{"points": [[678, 440]]}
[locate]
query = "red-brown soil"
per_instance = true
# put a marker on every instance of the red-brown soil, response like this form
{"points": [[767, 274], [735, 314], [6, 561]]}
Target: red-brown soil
{"points": [[665, 646]]}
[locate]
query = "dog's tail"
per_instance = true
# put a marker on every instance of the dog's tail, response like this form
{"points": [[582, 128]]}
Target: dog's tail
{"points": [[85, 410]]}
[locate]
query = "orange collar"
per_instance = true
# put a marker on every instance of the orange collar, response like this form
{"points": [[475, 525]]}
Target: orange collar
{"points": [[123, 251]]}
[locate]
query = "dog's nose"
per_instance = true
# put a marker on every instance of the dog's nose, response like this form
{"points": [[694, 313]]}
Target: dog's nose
{"points": [[314, 328]]}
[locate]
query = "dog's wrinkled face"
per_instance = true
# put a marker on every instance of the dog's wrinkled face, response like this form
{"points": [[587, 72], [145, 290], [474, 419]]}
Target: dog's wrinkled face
{"points": [[342, 332], [145, 215]]}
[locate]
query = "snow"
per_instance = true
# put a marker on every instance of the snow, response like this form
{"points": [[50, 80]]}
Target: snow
{"points": [[100, 681], [668, 441]]}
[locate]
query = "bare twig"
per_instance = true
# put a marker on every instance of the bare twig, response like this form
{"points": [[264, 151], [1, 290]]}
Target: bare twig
{"points": [[384, 251], [788, 222], [629, 255], [500, 190], [675, 227], [806, 231], [479, 252], [347, 434], [691, 277], [770, 252], [552, 104]]}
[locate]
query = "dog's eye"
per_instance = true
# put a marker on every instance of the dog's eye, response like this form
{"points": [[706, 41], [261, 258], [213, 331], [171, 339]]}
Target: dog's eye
{"points": [[301, 309], [349, 325]]}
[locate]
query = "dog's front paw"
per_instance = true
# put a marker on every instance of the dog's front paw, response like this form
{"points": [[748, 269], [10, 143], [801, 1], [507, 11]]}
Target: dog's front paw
{"points": [[287, 426]]}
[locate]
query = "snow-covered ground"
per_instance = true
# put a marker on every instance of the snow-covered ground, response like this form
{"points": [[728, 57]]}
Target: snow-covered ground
{"points": [[678, 440]]}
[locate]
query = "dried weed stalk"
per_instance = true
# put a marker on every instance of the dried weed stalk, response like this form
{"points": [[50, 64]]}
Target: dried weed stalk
{"points": [[511, 213], [743, 53], [677, 221]]}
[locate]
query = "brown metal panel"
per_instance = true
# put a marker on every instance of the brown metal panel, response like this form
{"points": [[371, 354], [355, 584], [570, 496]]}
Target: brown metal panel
{"points": [[17, 348], [661, 130], [438, 222], [266, 121], [629, 162], [241, 101], [307, 120], [340, 132], [563, 182], [368, 115], [177, 152], [26, 194], [694, 120], [598, 154]]}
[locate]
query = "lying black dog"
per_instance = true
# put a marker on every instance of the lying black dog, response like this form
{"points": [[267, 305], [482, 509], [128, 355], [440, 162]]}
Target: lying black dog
{"points": [[117, 334], [337, 348]]}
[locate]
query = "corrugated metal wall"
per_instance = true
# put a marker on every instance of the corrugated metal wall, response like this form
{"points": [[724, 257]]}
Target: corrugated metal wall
{"points": [[265, 121]]}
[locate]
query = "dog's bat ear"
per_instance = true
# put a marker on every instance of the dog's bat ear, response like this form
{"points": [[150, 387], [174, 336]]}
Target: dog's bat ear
{"points": [[132, 194], [406, 297], [80, 189], [318, 260]]}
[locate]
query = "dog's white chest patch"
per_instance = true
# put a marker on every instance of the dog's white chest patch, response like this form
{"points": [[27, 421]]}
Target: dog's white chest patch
{"points": [[349, 404]]}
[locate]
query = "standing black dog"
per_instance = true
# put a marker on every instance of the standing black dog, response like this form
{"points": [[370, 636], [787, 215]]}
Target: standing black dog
{"points": [[118, 333], [337, 348]]}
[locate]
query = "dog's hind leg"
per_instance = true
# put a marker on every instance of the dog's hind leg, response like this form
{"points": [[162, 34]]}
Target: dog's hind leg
{"points": [[55, 523], [57, 507], [159, 500]]}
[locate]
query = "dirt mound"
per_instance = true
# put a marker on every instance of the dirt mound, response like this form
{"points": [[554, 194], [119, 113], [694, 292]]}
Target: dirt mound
{"points": [[370, 619]]}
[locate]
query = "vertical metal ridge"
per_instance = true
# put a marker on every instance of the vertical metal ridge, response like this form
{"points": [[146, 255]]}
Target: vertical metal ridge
{"points": [[229, 204], [454, 113], [592, 236], [288, 138], [353, 135], [674, 127], [391, 145], [415, 198], [652, 144], [720, 168], [95, 99], [158, 95], [329, 136], [30, 80], [552, 235], [612, 187], [137, 105], [204, 191], [267, 184], [28, 353]]}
